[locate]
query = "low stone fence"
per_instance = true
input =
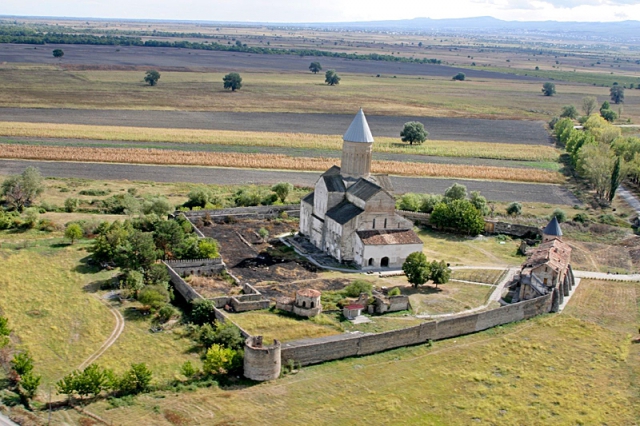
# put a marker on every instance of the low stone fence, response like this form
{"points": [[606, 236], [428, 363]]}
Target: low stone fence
{"points": [[513, 229], [181, 285], [257, 212], [417, 217], [223, 317], [196, 266], [314, 351]]}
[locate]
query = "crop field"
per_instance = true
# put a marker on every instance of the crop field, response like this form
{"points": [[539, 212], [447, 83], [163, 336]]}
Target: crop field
{"points": [[272, 139], [274, 125], [489, 377], [33, 86], [267, 161]]}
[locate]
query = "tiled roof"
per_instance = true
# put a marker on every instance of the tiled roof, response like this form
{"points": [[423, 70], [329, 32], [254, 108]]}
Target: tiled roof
{"points": [[333, 170], [309, 198], [344, 212], [364, 189], [376, 237], [308, 292], [555, 253], [359, 130], [354, 306]]}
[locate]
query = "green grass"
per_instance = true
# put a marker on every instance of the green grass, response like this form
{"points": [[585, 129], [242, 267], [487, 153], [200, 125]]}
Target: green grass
{"points": [[272, 325], [555, 369], [449, 298]]}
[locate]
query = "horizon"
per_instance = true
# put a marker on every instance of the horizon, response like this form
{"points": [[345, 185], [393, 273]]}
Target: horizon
{"points": [[355, 11]]}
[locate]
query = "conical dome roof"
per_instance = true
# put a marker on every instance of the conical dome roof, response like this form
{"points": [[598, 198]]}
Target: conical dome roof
{"points": [[359, 130], [553, 228]]}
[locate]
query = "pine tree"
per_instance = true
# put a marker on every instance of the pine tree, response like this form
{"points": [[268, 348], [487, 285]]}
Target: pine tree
{"points": [[616, 179]]}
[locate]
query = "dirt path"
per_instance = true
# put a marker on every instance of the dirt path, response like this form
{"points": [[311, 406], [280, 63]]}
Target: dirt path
{"points": [[117, 331]]}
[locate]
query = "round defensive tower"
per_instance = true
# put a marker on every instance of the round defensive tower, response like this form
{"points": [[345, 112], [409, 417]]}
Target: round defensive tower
{"points": [[261, 363], [357, 149]]}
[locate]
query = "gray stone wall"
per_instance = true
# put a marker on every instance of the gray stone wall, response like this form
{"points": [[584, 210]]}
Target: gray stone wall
{"points": [[261, 362], [198, 267], [183, 288], [314, 351], [257, 212]]}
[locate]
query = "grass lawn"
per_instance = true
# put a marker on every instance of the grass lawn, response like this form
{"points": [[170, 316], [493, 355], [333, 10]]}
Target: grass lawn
{"points": [[461, 250], [448, 298], [45, 86], [285, 328], [487, 276], [577, 367]]}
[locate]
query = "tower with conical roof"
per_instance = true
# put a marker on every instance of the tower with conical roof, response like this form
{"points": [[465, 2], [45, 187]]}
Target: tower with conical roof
{"points": [[356, 149], [552, 230]]}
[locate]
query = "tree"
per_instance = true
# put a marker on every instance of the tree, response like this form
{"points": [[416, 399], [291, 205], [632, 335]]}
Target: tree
{"points": [[315, 67], [410, 202], [91, 381], [203, 312], [414, 131], [596, 164], [459, 77], [282, 190], [358, 287], [134, 281], [232, 81], [617, 94], [157, 205], [208, 248], [459, 215], [167, 236], [609, 115], [5, 331], [569, 111], [199, 197], [135, 380], [514, 209], [560, 215], [137, 252], [589, 105], [220, 360], [440, 272], [549, 89], [58, 53], [22, 363], [20, 191], [29, 384], [479, 202], [455, 192], [616, 179], [154, 296], [152, 77], [416, 268], [71, 204], [73, 232], [331, 78]]}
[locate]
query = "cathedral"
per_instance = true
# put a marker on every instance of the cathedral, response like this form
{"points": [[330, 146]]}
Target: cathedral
{"points": [[351, 213]]}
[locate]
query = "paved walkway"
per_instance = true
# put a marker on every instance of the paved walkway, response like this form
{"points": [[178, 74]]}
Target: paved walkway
{"points": [[605, 276], [629, 198], [4, 421]]}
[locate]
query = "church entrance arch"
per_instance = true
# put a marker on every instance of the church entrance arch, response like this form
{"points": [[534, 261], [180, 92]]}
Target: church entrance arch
{"points": [[371, 261], [384, 262]]}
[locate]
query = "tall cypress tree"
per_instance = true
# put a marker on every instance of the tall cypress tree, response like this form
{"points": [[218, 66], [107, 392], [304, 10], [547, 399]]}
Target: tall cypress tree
{"points": [[616, 178]]}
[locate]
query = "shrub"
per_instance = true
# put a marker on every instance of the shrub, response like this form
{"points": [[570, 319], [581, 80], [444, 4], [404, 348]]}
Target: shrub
{"points": [[357, 287], [208, 248], [46, 225], [459, 77], [48, 207], [154, 296], [188, 369], [95, 192], [166, 313], [264, 234], [220, 360], [71, 204], [282, 190], [91, 381], [394, 292], [514, 209], [136, 380], [199, 197], [157, 205], [134, 280], [581, 218], [459, 215], [607, 219], [410, 202], [202, 312], [429, 202], [560, 215], [73, 232], [455, 192]]}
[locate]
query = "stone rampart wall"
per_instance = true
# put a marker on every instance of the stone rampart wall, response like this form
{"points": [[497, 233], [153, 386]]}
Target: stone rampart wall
{"points": [[181, 285], [320, 350], [198, 267], [514, 229], [258, 212]]}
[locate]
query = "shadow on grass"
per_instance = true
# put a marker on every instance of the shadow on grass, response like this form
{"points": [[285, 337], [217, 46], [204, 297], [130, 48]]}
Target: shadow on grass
{"points": [[136, 314], [86, 266], [424, 289]]}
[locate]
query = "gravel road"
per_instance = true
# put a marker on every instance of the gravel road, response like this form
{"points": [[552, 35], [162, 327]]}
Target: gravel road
{"points": [[440, 128], [493, 190], [166, 57]]}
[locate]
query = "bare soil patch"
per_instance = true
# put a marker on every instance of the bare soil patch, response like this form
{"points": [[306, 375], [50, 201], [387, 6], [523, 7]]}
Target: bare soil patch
{"points": [[440, 128]]}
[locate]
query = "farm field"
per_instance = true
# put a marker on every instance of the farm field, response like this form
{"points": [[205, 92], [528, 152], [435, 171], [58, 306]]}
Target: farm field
{"points": [[471, 378], [267, 161], [35, 86], [493, 190], [270, 124]]}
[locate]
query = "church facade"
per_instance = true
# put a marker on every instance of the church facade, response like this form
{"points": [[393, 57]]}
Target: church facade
{"points": [[351, 213]]}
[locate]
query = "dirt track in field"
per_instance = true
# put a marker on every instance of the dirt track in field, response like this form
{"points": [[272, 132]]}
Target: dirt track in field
{"points": [[173, 58], [493, 190], [440, 128]]}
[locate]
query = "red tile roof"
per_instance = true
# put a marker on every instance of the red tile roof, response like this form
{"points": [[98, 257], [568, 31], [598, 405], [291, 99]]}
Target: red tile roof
{"points": [[354, 306], [554, 253], [386, 237], [308, 292]]}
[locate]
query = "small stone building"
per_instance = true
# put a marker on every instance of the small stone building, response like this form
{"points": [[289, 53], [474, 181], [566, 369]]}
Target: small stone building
{"points": [[261, 362], [383, 304], [306, 303], [351, 213], [548, 267], [352, 311]]}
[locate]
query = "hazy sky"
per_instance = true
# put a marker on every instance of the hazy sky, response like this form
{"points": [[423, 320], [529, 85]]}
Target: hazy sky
{"points": [[328, 10]]}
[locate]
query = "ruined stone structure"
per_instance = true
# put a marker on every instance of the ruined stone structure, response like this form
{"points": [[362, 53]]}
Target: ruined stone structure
{"points": [[382, 304], [351, 213], [306, 303], [547, 268], [261, 362]]}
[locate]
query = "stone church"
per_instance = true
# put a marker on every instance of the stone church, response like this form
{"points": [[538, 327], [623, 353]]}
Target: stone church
{"points": [[351, 214]]}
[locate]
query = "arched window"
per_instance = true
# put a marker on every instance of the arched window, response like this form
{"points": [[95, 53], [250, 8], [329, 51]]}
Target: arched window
{"points": [[304, 304], [371, 261], [312, 305], [384, 262]]}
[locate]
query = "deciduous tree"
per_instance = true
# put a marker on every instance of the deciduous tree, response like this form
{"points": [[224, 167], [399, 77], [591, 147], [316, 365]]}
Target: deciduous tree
{"points": [[414, 132], [417, 268], [232, 81], [73, 232], [589, 105], [315, 67], [282, 190], [152, 77], [20, 191], [58, 53], [331, 78], [549, 89], [617, 94]]}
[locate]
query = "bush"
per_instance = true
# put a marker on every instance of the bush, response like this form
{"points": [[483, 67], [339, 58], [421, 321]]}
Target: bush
{"points": [[154, 296], [455, 192], [95, 192], [91, 381], [203, 312], [560, 215], [166, 313], [73, 232], [220, 360], [188, 370], [71, 204], [48, 207], [607, 219], [581, 218], [136, 380], [514, 209], [133, 280], [282, 190], [394, 292], [157, 205], [410, 202], [208, 248], [199, 197], [220, 333], [357, 287], [459, 215], [459, 77], [429, 202], [264, 234]]}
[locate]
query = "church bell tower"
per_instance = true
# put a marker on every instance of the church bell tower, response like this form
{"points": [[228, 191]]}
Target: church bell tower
{"points": [[357, 148]]}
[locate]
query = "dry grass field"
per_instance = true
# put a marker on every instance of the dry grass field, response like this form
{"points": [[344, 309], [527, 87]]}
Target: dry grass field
{"points": [[578, 367], [270, 139], [267, 161], [40, 86], [284, 327]]}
